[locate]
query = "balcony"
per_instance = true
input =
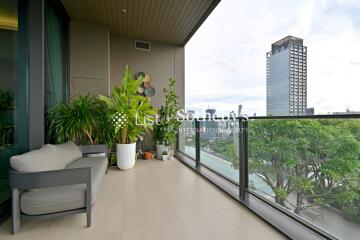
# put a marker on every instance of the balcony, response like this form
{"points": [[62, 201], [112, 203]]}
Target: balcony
{"points": [[257, 178], [154, 201]]}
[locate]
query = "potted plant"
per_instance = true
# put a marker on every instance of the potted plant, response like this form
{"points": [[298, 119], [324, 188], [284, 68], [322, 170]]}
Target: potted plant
{"points": [[168, 123], [129, 113], [6, 99], [148, 155], [82, 120], [165, 156], [6, 118]]}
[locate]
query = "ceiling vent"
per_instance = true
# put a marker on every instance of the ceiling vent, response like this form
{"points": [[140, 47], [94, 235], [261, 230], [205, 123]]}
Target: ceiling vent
{"points": [[141, 45]]}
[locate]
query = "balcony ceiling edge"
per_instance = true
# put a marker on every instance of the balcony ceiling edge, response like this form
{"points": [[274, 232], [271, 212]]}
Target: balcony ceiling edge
{"points": [[171, 22]]}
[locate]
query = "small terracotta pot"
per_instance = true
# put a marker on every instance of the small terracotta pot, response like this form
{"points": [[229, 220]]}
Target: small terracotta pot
{"points": [[148, 155]]}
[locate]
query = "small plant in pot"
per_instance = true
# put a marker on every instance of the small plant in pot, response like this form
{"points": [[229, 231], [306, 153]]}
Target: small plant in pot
{"points": [[148, 155], [165, 156], [129, 113], [168, 123]]}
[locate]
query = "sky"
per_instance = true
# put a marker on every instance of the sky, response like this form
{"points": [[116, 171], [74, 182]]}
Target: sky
{"points": [[225, 61]]}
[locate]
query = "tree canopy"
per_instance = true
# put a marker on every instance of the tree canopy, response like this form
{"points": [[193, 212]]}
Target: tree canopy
{"points": [[315, 161]]}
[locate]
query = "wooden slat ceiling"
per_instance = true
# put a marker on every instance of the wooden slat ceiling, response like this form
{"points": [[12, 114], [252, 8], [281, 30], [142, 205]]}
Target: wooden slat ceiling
{"points": [[167, 21]]}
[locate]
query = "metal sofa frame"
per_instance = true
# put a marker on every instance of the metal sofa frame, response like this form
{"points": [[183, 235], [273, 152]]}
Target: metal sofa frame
{"points": [[21, 181]]}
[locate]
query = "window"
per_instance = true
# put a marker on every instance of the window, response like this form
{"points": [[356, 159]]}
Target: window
{"points": [[13, 91]]}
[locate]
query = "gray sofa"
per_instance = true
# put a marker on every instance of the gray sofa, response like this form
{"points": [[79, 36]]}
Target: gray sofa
{"points": [[55, 181]]}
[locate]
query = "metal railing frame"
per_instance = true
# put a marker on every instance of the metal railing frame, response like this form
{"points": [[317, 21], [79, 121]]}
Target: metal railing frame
{"points": [[244, 157]]}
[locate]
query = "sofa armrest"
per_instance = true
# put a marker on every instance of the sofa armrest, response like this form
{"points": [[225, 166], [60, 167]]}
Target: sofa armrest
{"points": [[35, 180], [94, 149]]}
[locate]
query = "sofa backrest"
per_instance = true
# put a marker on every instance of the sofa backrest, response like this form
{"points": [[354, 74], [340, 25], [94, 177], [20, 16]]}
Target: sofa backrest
{"points": [[47, 158], [44, 159], [68, 152]]}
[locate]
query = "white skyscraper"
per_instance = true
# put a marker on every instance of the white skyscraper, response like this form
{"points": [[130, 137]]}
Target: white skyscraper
{"points": [[286, 78]]}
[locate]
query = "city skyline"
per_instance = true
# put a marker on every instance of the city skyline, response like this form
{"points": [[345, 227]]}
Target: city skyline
{"points": [[225, 59]]}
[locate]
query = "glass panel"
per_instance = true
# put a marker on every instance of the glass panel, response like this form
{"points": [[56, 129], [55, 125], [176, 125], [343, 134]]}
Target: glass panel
{"points": [[311, 168], [13, 91], [56, 55], [187, 138], [219, 144]]}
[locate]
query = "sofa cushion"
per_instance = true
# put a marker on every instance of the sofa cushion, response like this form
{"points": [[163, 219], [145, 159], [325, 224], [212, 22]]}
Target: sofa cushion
{"points": [[98, 169], [68, 152], [51, 200], [65, 198], [43, 159]]}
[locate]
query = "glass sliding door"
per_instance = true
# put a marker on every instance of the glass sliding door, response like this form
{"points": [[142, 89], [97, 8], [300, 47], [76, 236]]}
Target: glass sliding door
{"points": [[13, 90], [56, 54]]}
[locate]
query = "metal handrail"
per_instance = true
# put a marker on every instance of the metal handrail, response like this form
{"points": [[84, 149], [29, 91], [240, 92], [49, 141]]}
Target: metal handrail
{"points": [[245, 118]]}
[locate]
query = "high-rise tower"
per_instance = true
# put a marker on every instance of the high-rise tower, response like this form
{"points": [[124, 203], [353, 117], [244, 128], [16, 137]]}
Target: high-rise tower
{"points": [[286, 77]]}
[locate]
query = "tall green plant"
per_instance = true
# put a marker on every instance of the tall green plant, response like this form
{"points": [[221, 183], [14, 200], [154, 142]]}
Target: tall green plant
{"points": [[134, 110], [168, 124], [84, 120]]}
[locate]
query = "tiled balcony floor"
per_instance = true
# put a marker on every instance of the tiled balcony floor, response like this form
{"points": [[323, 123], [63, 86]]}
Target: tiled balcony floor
{"points": [[155, 200]]}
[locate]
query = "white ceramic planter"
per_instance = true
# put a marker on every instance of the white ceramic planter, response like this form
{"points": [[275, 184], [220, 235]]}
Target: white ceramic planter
{"points": [[165, 157], [160, 148], [126, 155]]}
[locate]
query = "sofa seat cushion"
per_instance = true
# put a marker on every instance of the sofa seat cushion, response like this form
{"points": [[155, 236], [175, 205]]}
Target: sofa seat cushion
{"points": [[44, 159], [65, 198]]}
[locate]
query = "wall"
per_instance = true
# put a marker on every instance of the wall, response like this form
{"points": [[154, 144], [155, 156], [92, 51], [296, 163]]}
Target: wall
{"points": [[89, 58], [161, 62], [98, 60]]}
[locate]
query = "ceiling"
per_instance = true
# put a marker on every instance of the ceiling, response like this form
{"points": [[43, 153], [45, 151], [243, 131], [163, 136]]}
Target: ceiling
{"points": [[8, 14], [167, 21]]}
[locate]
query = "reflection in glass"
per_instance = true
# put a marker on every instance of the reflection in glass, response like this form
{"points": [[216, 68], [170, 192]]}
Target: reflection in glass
{"points": [[187, 138], [13, 91], [219, 147], [56, 55]]}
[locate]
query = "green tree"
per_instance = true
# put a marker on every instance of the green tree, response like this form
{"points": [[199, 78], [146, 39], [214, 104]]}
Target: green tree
{"points": [[309, 158], [275, 150]]}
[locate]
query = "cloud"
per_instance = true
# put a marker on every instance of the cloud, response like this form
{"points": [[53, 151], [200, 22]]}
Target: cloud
{"points": [[354, 62], [225, 60], [231, 98], [348, 9]]}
